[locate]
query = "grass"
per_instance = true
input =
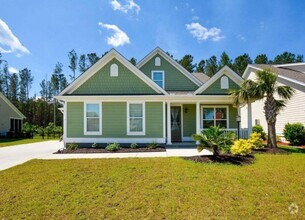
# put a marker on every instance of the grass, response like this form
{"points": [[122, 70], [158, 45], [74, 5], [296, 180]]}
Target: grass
{"points": [[292, 149], [153, 188], [6, 142]]}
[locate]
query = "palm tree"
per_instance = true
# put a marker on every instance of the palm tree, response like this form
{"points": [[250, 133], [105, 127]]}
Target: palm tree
{"points": [[265, 87], [215, 138]]}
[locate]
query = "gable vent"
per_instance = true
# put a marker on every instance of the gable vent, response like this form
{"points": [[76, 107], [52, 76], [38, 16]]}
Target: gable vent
{"points": [[224, 82], [157, 61], [114, 70]]}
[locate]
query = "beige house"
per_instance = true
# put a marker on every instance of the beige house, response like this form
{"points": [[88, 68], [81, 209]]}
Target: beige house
{"points": [[10, 117], [292, 75]]}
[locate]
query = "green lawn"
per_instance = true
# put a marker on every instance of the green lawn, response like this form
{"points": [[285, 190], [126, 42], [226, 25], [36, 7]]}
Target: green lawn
{"points": [[5, 142], [153, 188]]}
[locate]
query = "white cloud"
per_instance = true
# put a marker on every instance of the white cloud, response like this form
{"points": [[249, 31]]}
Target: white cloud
{"points": [[129, 6], [195, 18], [202, 33], [119, 37], [10, 41], [12, 70]]}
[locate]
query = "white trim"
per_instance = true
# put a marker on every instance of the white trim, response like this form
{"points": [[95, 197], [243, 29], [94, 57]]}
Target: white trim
{"points": [[157, 61], [164, 121], [224, 71], [65, 129], [143, 119], [161, 53], [169, 129], [214, 106], [290, 64], [291, 80], [12, 106], [181, 117], [163, 79], [114, 70], [224, 82], [187, 139], [198, 115], [101, 63], [85, 119], [116, 140]]}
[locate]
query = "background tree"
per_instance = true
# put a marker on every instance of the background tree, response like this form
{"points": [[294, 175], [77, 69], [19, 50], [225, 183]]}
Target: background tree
{"points": [[93, 58], [187, 63], [133, 61], [285, 57], [265, 87], [299, 59], [13, 89], [201, 66], [211, 66], [261, 59], [241, 62], [82, 64], [5, 78], [73, 63], [224, 61]]}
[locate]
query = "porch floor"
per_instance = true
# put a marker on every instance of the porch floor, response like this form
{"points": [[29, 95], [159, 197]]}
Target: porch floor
{"points": [[184, 149]]}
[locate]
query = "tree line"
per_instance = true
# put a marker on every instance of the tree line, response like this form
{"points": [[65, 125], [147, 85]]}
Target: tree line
{"points": [[42, 109]]}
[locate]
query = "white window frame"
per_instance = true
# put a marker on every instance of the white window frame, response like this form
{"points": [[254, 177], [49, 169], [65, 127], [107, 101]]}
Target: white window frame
{"points": [[128, 119], [85, 119], [114, 70], [157, 61], [152, 77], [214, 107], [224, 82]]}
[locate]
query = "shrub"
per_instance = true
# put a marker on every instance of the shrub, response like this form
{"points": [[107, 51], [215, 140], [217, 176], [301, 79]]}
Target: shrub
{"points": [[256, 141], [295, 133], [72, 146], [241, 147], [133, 146], [113, 147], [259, 129], [94, 145], [152, 145]]}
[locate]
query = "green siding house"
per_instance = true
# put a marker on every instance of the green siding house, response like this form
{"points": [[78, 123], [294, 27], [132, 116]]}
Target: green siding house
{"points": [[156, 101]]}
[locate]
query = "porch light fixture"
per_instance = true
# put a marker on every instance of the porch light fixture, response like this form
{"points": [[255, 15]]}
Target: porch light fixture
{"points": [[185, 110]]}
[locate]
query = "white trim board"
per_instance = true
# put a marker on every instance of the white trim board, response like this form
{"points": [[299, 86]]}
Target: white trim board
{"points": [[100, 119], [115, 140], [224, 71], [143, 119], [161, 53], [101, 63]]}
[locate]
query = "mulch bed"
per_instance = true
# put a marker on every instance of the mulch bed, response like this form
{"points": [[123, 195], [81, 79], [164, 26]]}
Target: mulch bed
{"points": [[102, 150], [270, 151], [223, 158]]}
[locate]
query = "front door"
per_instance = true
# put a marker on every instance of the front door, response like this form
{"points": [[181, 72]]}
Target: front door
{"points": [[176, 123]]}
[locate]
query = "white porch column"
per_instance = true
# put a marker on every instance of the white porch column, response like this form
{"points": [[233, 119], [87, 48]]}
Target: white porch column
{"points": [[169, 127], [249, 119], [197, 119], [164, 121]]}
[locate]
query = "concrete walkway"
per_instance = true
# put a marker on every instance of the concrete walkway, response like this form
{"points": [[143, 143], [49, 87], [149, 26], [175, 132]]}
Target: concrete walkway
{"points": [[14, 155]]}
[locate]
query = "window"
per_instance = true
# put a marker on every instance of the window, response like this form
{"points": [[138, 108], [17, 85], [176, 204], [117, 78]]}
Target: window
{"points": [[114, 70], [224, 82], [158, 78], [15, 125], [157, 61], [92, 119], [136, 119], [213, 116]]}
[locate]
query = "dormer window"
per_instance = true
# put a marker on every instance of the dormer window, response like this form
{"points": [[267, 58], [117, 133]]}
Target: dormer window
{"points": [[157, 61], [224, 82], [114, 70], [158, 77]]}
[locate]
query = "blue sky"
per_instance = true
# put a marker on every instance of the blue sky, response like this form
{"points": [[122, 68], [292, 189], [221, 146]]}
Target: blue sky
{"points": [[37, 34]]}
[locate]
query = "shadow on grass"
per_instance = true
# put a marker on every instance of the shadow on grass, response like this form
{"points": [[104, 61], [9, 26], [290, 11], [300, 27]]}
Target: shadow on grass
{"points": [[292, 149]]}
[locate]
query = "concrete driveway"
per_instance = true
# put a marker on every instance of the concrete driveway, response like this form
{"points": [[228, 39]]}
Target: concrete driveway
{"points": [[14, 155]]}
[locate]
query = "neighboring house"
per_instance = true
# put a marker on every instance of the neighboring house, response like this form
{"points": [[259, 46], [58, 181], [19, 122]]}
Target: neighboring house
{"points": [[292, 75], [11, 118], [155, 101]]}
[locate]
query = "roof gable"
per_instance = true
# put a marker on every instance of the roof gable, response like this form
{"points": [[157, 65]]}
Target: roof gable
{"points": [[170, 62], [137, 82], [9, 104], [212, 86]]}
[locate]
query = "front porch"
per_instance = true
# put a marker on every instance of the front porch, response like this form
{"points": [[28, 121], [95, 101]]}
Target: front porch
{"points": [[185, 119]]}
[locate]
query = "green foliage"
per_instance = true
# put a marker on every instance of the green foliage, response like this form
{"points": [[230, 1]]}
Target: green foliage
{"points": [[72, 146], [295, 133], [94, 145], [241, 147], [113, 147], [187, 63], [259, 129], [28, 128], [256, 141], [152, 145], [215, 138], [133, 146], [261, 59], [211, 66], [241, 62]]}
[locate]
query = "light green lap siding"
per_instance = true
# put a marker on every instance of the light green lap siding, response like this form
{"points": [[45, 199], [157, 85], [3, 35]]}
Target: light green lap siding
{"points": [[102, 83], [189, 120], [75, 119], [114, 120], [174, 79], [215, 88]]}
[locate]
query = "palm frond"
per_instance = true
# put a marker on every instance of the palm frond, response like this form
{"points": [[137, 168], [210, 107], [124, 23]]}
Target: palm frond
{"points": [[285, 92]]}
